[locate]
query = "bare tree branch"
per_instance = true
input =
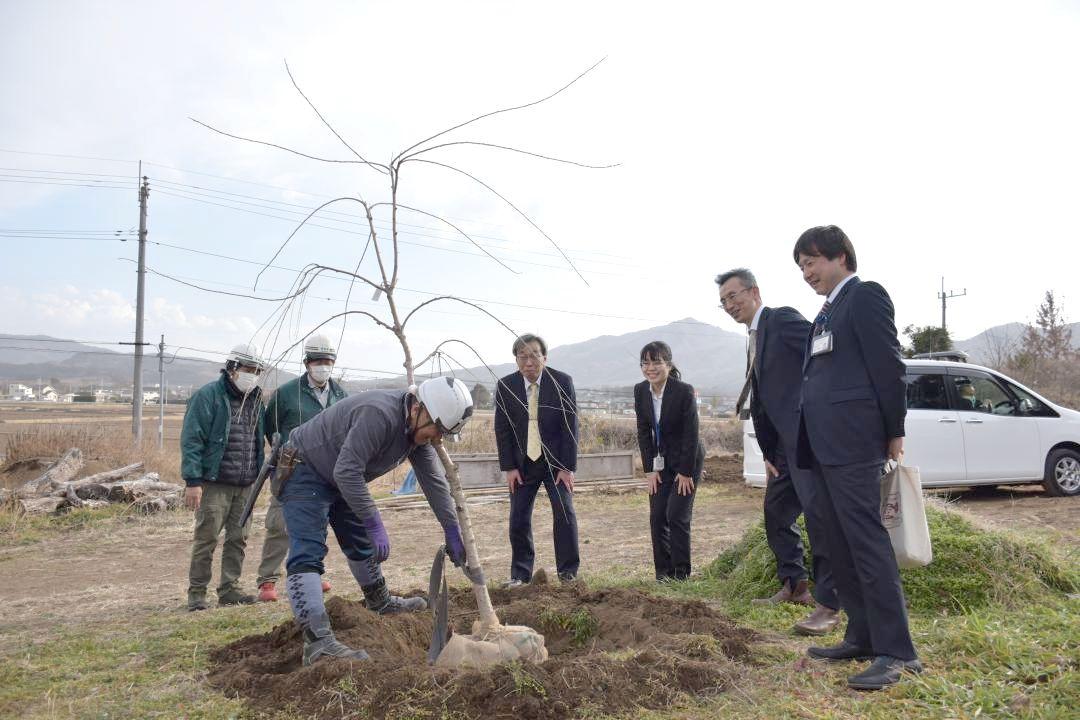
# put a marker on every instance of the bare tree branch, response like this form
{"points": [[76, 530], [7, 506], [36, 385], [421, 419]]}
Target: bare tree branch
{"points": [[456, 299], [512, 206], [496, 112], [380, 168], [467, 236], [219, 292], [297, 229], [510, 149], [282, 147]]}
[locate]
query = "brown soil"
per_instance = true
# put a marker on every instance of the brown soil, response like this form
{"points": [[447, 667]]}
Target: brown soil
{"points": [[643, 652], [726, 468]]}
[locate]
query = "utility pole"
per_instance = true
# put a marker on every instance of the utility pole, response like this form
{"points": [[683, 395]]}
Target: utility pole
{"points": [[161, 393], [140, 297], [945, 297]]}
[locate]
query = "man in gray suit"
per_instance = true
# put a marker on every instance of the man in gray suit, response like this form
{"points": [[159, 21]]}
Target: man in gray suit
{"points": [[774, 374]]}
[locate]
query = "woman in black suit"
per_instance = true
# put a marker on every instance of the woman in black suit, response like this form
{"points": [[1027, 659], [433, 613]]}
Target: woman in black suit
{"points": [[672, 455]]}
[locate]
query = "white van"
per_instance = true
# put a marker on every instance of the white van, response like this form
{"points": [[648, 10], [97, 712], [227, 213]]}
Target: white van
{"points": [[970, 425]]}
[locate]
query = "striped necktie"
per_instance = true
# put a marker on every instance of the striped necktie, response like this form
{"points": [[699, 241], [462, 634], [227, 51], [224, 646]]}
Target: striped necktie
{"points": [[822, 319]]}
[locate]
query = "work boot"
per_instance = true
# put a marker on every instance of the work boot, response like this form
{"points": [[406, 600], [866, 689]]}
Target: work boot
{"points": [[197, 601], [820, 622], [267, 592], [319, 641], [801, 594], [783, 595], [883, 672], [378, 599], [235, 597]]}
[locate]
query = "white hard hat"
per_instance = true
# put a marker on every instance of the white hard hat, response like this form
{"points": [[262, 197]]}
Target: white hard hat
{"points": [[245, 355], [319, 347], [448, 402]]}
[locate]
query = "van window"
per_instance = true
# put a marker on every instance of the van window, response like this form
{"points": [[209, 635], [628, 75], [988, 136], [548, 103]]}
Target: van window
{"points": [[926, 392], [979, 393]]}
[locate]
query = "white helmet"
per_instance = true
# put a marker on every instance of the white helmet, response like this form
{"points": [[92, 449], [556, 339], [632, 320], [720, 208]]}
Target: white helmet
{"points": [[319, 347], [245, 355], [448, 402]]}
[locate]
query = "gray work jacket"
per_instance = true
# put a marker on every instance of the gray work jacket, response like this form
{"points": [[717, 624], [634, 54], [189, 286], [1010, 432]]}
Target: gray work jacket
{"points": [[357, 439]]}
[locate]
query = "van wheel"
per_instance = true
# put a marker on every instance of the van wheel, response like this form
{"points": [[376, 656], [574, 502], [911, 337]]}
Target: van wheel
{"points": [[1062, 476]]}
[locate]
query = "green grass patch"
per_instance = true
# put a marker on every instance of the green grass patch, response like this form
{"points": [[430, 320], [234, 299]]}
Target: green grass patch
{"points": [[151, 669], [580, 625], [972, 568], [17, 529]]}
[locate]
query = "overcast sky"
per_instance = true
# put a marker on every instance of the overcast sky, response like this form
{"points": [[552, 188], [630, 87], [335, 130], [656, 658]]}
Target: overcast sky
{"points": [[942, 137]]}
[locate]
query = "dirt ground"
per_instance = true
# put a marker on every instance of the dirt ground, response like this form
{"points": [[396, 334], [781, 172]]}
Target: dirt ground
{"points": [[611, 649]]}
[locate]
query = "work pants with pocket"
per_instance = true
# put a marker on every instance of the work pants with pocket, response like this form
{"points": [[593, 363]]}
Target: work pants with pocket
{"points": [[220, 509]]}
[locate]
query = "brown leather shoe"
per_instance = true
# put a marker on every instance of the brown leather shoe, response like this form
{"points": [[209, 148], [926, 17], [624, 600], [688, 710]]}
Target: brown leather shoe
{"points": [[820, 622], [783, 595], [801, 594]]}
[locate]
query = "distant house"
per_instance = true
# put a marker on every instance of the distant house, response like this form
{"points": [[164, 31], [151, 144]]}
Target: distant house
{"points": [[67, 398], [49, 394], [102, 395], [18, 391], [150, 397]]}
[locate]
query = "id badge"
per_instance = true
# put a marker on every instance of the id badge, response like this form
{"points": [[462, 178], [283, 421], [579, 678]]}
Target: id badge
{"points": [[822, 344], [658, 463]]}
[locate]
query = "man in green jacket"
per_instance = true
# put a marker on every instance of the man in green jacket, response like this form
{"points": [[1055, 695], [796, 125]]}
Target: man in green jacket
{"points": [[292, 404], [221, 448]]}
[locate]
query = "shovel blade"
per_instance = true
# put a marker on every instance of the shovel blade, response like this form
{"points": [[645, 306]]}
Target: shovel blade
{"points": [[439, 594]]}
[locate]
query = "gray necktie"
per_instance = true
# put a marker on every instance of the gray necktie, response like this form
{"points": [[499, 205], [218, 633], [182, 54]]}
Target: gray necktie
{"points": [[751, 354]]}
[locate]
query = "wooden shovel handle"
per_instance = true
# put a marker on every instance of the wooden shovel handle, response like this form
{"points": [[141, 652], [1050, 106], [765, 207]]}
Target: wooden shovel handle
{"points": [[488, 618]]}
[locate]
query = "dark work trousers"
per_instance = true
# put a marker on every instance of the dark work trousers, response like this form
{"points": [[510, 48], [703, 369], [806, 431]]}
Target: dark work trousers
{"points": [[565, 523], [669, 520], [787, 496], [309, 504], [862, 559]]}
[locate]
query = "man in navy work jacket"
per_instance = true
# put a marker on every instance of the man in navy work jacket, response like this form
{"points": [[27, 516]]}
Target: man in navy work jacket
{"points": [[853, 406], [536, 430], [773, 377], [322, 479]]}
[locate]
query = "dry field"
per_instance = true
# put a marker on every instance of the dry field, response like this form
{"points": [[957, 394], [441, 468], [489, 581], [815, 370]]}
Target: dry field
{"points": [[127, 575]]}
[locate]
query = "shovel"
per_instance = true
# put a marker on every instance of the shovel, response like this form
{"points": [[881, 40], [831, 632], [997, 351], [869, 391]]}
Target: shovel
{"points": [[490, 642]]}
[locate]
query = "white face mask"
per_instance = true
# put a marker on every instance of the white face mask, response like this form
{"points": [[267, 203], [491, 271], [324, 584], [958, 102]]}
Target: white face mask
{"points": [[320, 373], [246, 381]]}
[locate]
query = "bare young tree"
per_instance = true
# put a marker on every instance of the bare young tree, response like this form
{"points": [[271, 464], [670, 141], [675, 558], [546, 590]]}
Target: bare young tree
{"points": [[384, 283]]}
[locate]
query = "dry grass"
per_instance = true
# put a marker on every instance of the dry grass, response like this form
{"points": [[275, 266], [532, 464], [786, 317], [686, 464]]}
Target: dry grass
{"points": [[104, 446], [604, 433]]}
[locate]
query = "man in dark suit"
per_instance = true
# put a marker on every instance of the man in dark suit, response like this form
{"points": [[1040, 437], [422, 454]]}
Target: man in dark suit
{"points": [[773, 378], [536, 430], [852, 410]]}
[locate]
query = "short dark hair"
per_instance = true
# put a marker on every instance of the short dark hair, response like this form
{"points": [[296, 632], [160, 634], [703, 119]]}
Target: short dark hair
{"points": [[827, 240], [523, 340], [660, 350], [745, 276]]}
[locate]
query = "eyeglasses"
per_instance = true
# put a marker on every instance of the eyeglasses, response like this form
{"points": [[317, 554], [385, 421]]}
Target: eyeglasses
{"points": [[525, 357], [653, 363], [726, 300]]}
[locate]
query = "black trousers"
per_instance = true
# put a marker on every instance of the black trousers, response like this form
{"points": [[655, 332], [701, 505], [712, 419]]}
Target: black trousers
{"points": [[862, 559], [669, 520], [787, 496], [565, 528]]}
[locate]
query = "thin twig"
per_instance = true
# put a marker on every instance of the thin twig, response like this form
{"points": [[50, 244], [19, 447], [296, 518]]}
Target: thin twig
{"points": [[381, 168], [511, 149], [279, 147], [465, 234], [496, 112], [512, 206], [297, 229]]}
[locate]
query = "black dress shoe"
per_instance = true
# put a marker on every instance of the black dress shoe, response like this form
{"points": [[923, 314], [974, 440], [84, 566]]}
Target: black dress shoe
{"points": [[883, 672], [841, 652]]}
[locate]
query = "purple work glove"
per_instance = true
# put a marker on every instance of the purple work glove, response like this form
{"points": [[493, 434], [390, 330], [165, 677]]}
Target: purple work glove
{"points": [[376, 533], [455, 546]]}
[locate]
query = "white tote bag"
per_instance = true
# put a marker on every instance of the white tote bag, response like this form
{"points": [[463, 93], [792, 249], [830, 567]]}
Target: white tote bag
{"points": [[904, 515]]}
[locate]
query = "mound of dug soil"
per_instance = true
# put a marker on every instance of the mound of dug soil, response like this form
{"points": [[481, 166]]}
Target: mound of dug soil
{"points": [[610, 650], [724, 468]]}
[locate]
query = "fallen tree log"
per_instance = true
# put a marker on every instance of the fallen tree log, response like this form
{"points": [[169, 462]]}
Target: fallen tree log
{"points": [[61, 472], [108, 475], [39, 506]]}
